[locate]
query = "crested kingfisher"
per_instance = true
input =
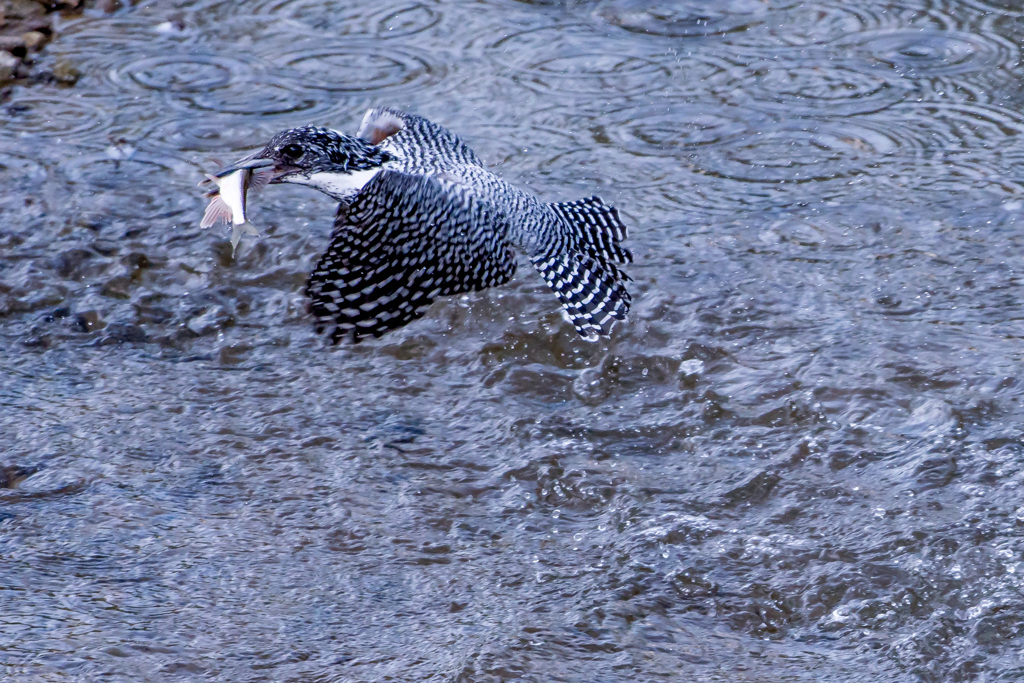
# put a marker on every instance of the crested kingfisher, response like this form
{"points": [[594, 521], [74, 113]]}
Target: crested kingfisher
{"points": [[420, 217]]}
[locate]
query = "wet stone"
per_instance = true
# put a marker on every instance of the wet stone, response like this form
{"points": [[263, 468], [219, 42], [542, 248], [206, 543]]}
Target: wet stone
{"points": [[691, 369], [26, 26], [118, 288], [34, 40], [12, 475], [8, 65], [123, 333], [209, 322], [64, 71], [105, 247], [69, 264], [14, 45], [87, 322]]}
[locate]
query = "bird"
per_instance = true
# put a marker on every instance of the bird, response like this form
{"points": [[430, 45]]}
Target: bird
{"points": [[419, 217]]}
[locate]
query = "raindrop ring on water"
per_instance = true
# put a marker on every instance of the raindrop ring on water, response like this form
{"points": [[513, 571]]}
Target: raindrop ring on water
{"points": [[547, 62], [1008, 8], [682, 19], [800, 152], [52, 116], [658, 130], [817, 88], [189, 73], [342, 18], [357, 68], [931, 52]]}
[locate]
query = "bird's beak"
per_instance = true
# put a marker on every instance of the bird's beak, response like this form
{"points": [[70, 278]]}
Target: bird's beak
{"points": [[252, 163], [264, 171]]}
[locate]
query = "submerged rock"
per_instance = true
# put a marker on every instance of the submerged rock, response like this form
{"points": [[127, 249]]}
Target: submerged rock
{"points": [[12, 475]]}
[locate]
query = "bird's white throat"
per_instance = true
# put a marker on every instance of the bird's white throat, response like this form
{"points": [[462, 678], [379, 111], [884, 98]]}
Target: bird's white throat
{"points": [[338, 185]]}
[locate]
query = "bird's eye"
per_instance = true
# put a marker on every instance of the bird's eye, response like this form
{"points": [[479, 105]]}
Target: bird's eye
{"points": [[292, 151]]}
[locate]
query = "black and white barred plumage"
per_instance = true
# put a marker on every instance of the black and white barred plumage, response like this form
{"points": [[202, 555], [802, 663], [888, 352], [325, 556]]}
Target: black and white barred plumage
{"points": [[420, 217], [402, 241]]}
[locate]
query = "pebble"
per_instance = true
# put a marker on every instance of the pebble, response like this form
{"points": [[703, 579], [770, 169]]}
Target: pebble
{"points": [[691, 368], [26, 26], [33, 40], [8, 66]]}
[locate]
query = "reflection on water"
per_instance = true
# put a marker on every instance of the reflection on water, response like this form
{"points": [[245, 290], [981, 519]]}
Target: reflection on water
{"points": [[801, 459]]}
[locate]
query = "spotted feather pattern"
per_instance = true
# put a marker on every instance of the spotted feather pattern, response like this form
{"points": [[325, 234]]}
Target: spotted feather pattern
{"points": [[423, 145], [596, 227], [592, 293], [403, 241], [437, 222]]}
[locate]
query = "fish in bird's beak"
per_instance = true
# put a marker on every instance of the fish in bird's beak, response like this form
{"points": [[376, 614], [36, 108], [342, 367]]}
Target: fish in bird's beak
{"points": [[227, 199]]}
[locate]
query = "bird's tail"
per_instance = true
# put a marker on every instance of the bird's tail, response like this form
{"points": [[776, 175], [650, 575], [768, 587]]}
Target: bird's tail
{"points": [[583, 266]]}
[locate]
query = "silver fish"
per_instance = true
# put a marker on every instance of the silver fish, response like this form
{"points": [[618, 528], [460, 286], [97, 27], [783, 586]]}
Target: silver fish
{"points": [[228, 199]]}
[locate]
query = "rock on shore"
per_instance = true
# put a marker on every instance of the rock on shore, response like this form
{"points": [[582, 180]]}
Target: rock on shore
{"points": [[26, 26]]}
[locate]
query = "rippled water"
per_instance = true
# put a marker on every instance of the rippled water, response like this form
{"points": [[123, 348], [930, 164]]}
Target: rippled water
{"points": [[801, 459]]}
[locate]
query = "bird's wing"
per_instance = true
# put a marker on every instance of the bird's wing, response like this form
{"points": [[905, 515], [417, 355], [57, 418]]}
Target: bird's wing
{"points": [[404, 240], [424, 144]]}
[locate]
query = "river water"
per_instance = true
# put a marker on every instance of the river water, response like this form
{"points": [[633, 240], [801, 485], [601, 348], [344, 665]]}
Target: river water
{"points": [[800, 459]]}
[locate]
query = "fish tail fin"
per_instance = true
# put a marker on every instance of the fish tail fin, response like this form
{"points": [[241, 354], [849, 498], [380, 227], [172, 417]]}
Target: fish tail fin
{"points": [[237, 230]]}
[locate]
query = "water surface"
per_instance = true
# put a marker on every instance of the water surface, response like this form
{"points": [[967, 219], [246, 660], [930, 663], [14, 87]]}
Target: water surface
{"points": [[800, 459]]}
